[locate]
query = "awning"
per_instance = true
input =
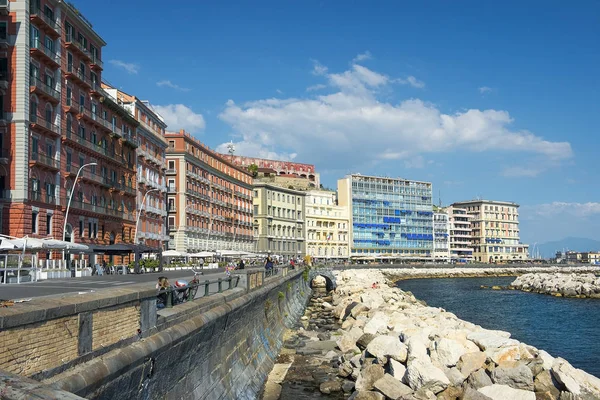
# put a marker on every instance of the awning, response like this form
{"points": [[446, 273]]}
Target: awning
{"points": [[121, 248], [174, 253]]}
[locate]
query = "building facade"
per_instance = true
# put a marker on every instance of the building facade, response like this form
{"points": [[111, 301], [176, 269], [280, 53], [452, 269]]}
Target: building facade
{"points": [[209, 199], [460, 227], [283, 168], [279, 219], [58, 121], [389, 216], [151, 165], [327, 226], [441, 236], [495, 231]]}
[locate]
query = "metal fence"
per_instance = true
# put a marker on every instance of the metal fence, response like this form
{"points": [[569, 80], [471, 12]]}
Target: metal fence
{"points": [[177, 295]]}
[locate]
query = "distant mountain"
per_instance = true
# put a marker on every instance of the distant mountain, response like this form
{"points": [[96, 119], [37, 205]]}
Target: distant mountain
{"points": [[549, 249]]}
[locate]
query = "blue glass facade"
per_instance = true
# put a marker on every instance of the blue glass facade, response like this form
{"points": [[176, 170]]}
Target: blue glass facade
{"points": [[391, 216]]}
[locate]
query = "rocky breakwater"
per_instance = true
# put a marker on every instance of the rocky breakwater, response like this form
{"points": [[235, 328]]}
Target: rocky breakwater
{"points": [[475, 271], [560, 284], [392, 346]]}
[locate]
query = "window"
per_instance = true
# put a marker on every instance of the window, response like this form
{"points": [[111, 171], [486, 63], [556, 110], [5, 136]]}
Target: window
{"points": [[256, 193], [34, 222], [49, 224], [3, 30], [49, 43], [69, 96], [34, 38], [34, 145], [171, 221], [171, 164]]}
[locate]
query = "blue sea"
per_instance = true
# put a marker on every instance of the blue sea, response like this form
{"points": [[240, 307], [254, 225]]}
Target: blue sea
{"points": [[566, 328]]}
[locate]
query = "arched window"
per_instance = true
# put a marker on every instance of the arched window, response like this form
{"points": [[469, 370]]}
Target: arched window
{"points": [[33, 108]]}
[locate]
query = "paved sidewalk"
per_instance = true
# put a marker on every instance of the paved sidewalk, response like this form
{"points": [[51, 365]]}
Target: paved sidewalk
{"points": [[93, 283]]}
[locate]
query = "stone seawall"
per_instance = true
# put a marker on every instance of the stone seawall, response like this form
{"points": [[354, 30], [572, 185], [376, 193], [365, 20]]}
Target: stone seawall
{"points": [[560, 284], [394, 347], [224, 352], [401, 273]]}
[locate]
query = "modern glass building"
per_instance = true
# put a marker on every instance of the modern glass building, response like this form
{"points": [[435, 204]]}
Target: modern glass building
{"points": [[389, 217]]}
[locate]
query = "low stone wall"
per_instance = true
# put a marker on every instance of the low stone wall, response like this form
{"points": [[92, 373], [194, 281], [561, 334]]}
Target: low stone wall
{"points": [[391, 346], [560, 284], [221, 347]]}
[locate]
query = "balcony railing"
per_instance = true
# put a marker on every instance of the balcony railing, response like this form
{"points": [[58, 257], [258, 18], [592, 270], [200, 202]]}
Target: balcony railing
{"points": [[34, 11], [50, 91], [79, 74], [4, 7], [45, 160], [71, 41], [97, 61], [42, 122], [51, 54], [131, 139]]}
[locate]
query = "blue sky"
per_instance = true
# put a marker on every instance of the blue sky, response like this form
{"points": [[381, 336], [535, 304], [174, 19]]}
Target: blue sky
{"points": [[497, 100]]}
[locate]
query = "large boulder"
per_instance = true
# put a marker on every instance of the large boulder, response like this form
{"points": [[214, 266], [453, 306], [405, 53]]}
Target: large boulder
{"points": [[377, 324], [347, 343], [472, 394], [358, 309], [421, 372], [417, 348], [544, 383], [503, 392], [368, 376], [366, 395], [478, 379], [388, 346], [364, 340], [447, 352], [391, 387], [470, 362], [455, 377], [514, 374], [564, 376], [502, 354], [491, 339], [372, 299], [397, 369], [330, 387]]}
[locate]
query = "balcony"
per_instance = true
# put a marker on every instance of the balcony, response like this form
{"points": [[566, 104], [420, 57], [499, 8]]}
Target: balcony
{"points": [[88, 145], [96, 63], [4, 7], [39, 123], [46, 22], [4, 81], [78, 76], [131, 140], [171, 189], [44, 90], [48, 55], [44, 161], [128, 190], [97, 89], [171, 172], [72, 44]]}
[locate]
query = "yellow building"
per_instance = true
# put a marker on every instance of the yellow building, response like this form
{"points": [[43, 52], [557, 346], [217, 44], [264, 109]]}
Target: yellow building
{"points": [[592, 257], [495, 231], [327, 224], [279, 220]]}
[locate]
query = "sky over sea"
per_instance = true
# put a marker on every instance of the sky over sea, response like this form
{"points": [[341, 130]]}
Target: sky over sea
{"points": [[497, 100]]}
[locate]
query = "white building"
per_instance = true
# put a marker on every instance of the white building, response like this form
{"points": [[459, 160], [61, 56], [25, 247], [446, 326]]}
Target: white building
{"points": [[327, 226], [460, 234], [441, 236]]}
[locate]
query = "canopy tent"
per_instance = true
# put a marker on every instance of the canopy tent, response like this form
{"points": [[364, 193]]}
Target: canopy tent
{"points": [[231, 253], [121, 248], [174, 253], [6, 244], [62, 245], [202, 254]]}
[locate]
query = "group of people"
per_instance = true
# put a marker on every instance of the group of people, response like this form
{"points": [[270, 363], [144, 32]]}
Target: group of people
{"points": [[99, 269]]}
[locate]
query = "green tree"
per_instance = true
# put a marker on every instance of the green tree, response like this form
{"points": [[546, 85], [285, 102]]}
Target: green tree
{"points": [[253, 168]]}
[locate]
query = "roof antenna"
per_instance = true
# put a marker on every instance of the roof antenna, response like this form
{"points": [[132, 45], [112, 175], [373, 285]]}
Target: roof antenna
{"points": [[440, 198]]}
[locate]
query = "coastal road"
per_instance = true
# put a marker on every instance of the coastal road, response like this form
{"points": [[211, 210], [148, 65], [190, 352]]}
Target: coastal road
{"points": [[93, 283]]}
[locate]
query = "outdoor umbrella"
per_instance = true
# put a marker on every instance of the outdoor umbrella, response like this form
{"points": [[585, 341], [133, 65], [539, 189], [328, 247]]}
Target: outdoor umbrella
{"points": [[202, 254], [174, 253], [55, 244]]}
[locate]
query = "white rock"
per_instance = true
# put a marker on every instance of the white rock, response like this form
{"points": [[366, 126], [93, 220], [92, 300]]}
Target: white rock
{"points": [[377, 323], [417, 348], [388, 346], [501, 354], [563, 373], [397, 370], [455, 377], [447, 352], [421, 372], [546, 358], [503, 392], [327, 305], [488, 339]]}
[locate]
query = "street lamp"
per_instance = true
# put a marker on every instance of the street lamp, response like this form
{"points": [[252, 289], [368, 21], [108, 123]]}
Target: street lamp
{"points": [[137, 221], [71, 198]]}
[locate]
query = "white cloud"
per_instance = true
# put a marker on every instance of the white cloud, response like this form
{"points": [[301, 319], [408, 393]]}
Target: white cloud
{"points": [[179, 116], [415, 162], [251, 149], [352, 127], [362, 57], [484, 89], [131, 68], [412, 81], [581, 210], [167, 83], [318, 86], [279, 91], [523, 172], [318, 68]]}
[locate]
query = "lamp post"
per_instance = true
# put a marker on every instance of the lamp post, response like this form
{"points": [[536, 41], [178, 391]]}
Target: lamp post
{"points": [[69, 203], [71, 198], [137, 221]]}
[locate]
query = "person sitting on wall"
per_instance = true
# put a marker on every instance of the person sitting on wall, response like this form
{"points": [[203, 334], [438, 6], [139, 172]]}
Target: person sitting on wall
{"points": [[162, 285], [240, 264]]}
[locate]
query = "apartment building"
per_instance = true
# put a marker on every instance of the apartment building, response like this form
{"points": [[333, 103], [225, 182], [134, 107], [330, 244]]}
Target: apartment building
{"points": [[327, 226], [590, 257], [151, 166], [495, 230], [58, 122], [441, 235], [281, 168], [389, 217], [460, 227], [279, 219], [209, 200]]}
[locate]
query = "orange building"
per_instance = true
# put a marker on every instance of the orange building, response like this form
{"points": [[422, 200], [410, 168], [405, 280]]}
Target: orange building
{"points": [[57, 118], [209, 198], [151, 229]]}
